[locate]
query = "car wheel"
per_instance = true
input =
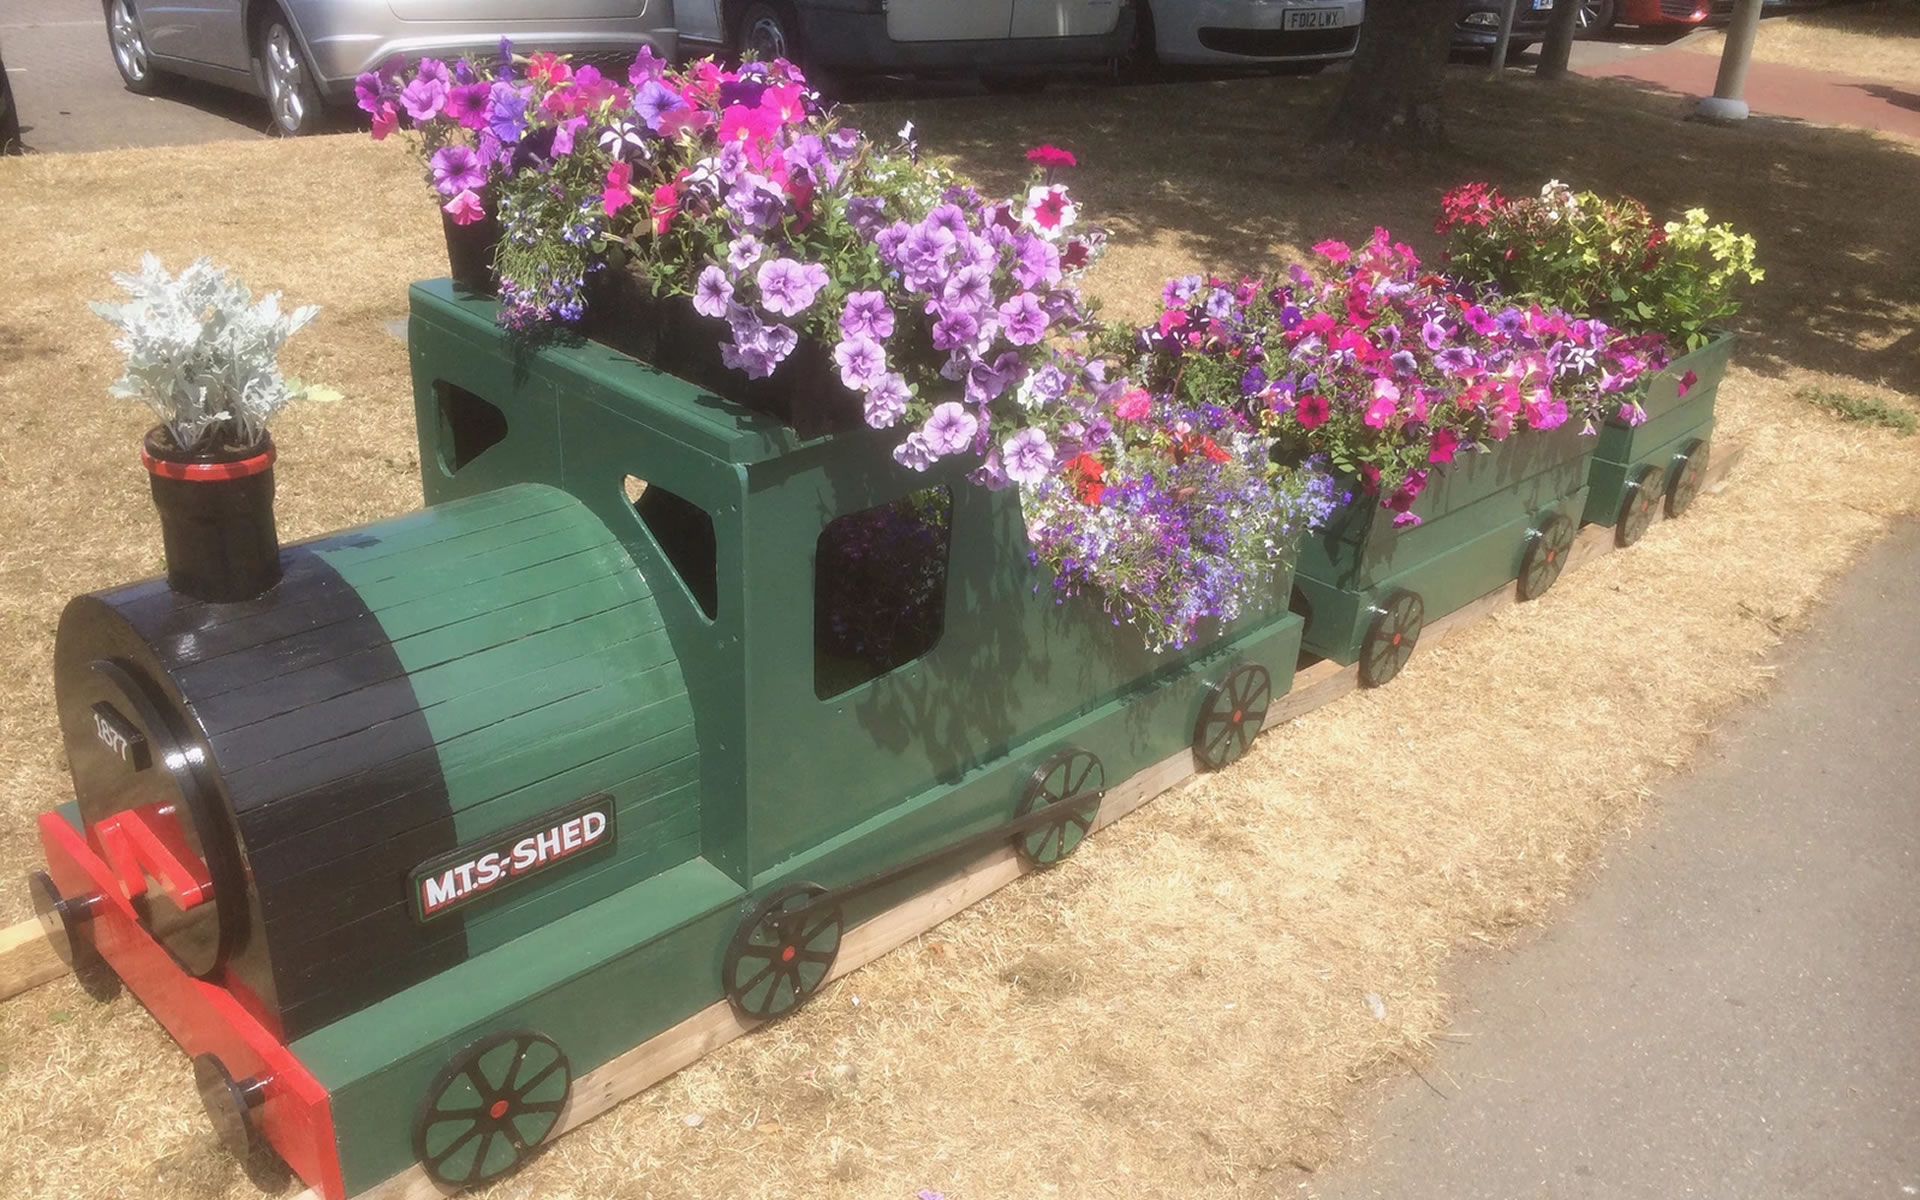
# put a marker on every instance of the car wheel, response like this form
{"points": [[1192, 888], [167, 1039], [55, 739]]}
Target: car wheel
{"points": [[9, 118], [1141, 63], [129, 43], [292, 96], [768, 31], [1516, 47], [1596, 18]]}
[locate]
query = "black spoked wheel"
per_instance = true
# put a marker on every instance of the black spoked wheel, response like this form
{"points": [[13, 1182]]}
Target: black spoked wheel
{"points": [[1546, 556], [1636, 509], [1396, 625], [1231, 716], [1072, 781], [1689, 473], [782, 952], [490, 1106]]}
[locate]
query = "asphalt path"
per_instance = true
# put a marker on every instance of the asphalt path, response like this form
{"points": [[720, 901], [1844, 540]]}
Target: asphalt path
{"points": [[1734, 1009], [71, 98]]}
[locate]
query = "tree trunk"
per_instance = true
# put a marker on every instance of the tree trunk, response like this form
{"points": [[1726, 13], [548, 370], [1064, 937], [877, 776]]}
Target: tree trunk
{"points": [[1393, 87], [1559, 43]]}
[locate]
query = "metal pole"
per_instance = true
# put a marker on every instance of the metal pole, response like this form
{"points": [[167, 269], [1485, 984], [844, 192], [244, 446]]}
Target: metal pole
{"points": [[1499, 60], [1727, 102]]}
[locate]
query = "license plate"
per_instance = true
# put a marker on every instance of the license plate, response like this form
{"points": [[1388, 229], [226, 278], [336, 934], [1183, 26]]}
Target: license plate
{"points": [[1542, 5], [1316, 18]]}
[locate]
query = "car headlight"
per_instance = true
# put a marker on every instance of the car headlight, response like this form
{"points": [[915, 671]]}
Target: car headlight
{"points": [[1483, 18]]}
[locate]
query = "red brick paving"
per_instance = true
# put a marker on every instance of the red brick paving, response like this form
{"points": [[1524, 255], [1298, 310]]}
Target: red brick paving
{"points": [[1781, 91]]}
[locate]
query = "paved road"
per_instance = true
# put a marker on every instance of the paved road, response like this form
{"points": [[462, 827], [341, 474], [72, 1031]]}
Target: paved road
{"points": [[71, 98], [1734, 1011]]}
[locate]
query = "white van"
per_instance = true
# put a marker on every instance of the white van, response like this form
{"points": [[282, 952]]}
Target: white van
{"points": [[999, 39]]}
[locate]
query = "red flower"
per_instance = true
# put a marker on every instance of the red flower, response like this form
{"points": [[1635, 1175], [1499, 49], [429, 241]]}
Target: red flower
{"points": [[666, 205], [1687, 381], [1312, 411], [1051, 157]]}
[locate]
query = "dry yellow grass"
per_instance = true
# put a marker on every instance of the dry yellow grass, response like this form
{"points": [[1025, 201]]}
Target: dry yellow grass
{"points": [[1873, 39], [1181, 1009]]}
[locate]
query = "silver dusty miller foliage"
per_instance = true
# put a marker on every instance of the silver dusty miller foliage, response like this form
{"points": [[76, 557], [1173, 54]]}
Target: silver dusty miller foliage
{"points": [[201, 353]]}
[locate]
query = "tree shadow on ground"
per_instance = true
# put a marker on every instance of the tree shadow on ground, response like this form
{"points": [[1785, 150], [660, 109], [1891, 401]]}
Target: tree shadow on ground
{"points": [[1224, 177]]}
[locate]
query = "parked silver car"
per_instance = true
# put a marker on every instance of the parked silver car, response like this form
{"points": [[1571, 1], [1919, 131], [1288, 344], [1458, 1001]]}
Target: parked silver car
{"points": [[304, 54]]}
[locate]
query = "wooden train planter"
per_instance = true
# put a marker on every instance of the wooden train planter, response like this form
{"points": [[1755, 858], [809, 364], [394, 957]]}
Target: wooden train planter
{"points": [[1367, 586], [1638, 468], [479, 798], [651, 704]]}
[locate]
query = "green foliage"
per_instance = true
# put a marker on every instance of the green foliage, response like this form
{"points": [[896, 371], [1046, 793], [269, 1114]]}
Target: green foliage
{"points": [[1605, 258], [1862, 409]]}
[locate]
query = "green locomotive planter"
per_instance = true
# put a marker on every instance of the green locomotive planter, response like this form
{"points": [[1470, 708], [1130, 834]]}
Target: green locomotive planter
{"points": [[480, 798], [1663, 459], [1367, 586]]}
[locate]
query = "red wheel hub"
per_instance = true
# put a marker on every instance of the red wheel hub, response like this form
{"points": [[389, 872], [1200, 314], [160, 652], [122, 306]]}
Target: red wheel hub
{"points": [[1396, 639], [498, 1109], [786, 954]]}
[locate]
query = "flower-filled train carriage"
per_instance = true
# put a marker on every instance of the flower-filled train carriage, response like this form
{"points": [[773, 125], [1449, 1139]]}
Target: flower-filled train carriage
{"points": [[876, 553]]}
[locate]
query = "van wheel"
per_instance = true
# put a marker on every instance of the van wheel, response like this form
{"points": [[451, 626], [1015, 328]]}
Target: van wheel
{"points": [[1141, 63]]}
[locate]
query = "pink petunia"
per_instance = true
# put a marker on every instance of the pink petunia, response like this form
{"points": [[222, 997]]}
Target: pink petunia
{"points": [[1051, 157], [1132, 405], [666, 205], [619, 190], [385, 121], [1335, 251], [465, 208], [1687, 381]]}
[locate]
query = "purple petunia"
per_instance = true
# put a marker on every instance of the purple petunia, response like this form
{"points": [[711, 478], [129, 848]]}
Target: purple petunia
{"points": [[1027, 456], [955, 330], [712, 293], [788, 286], [424, 97], [1023, 320], [655, 100], [862, 362], [744, 251], [913, 453], [457, 169], [507, 113], [886, 401], [950, 429], [867, 314]]}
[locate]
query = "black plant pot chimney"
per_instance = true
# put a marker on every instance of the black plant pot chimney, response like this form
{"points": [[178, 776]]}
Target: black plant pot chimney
{"points": [[216, 518]]}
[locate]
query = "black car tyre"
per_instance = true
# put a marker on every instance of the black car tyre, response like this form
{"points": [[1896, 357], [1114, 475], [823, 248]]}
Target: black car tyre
{"points": [[768, 31], [9, 118], [1596, 18], [1516, 47], [129, 44], [286, 78], [1141, 62]]}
